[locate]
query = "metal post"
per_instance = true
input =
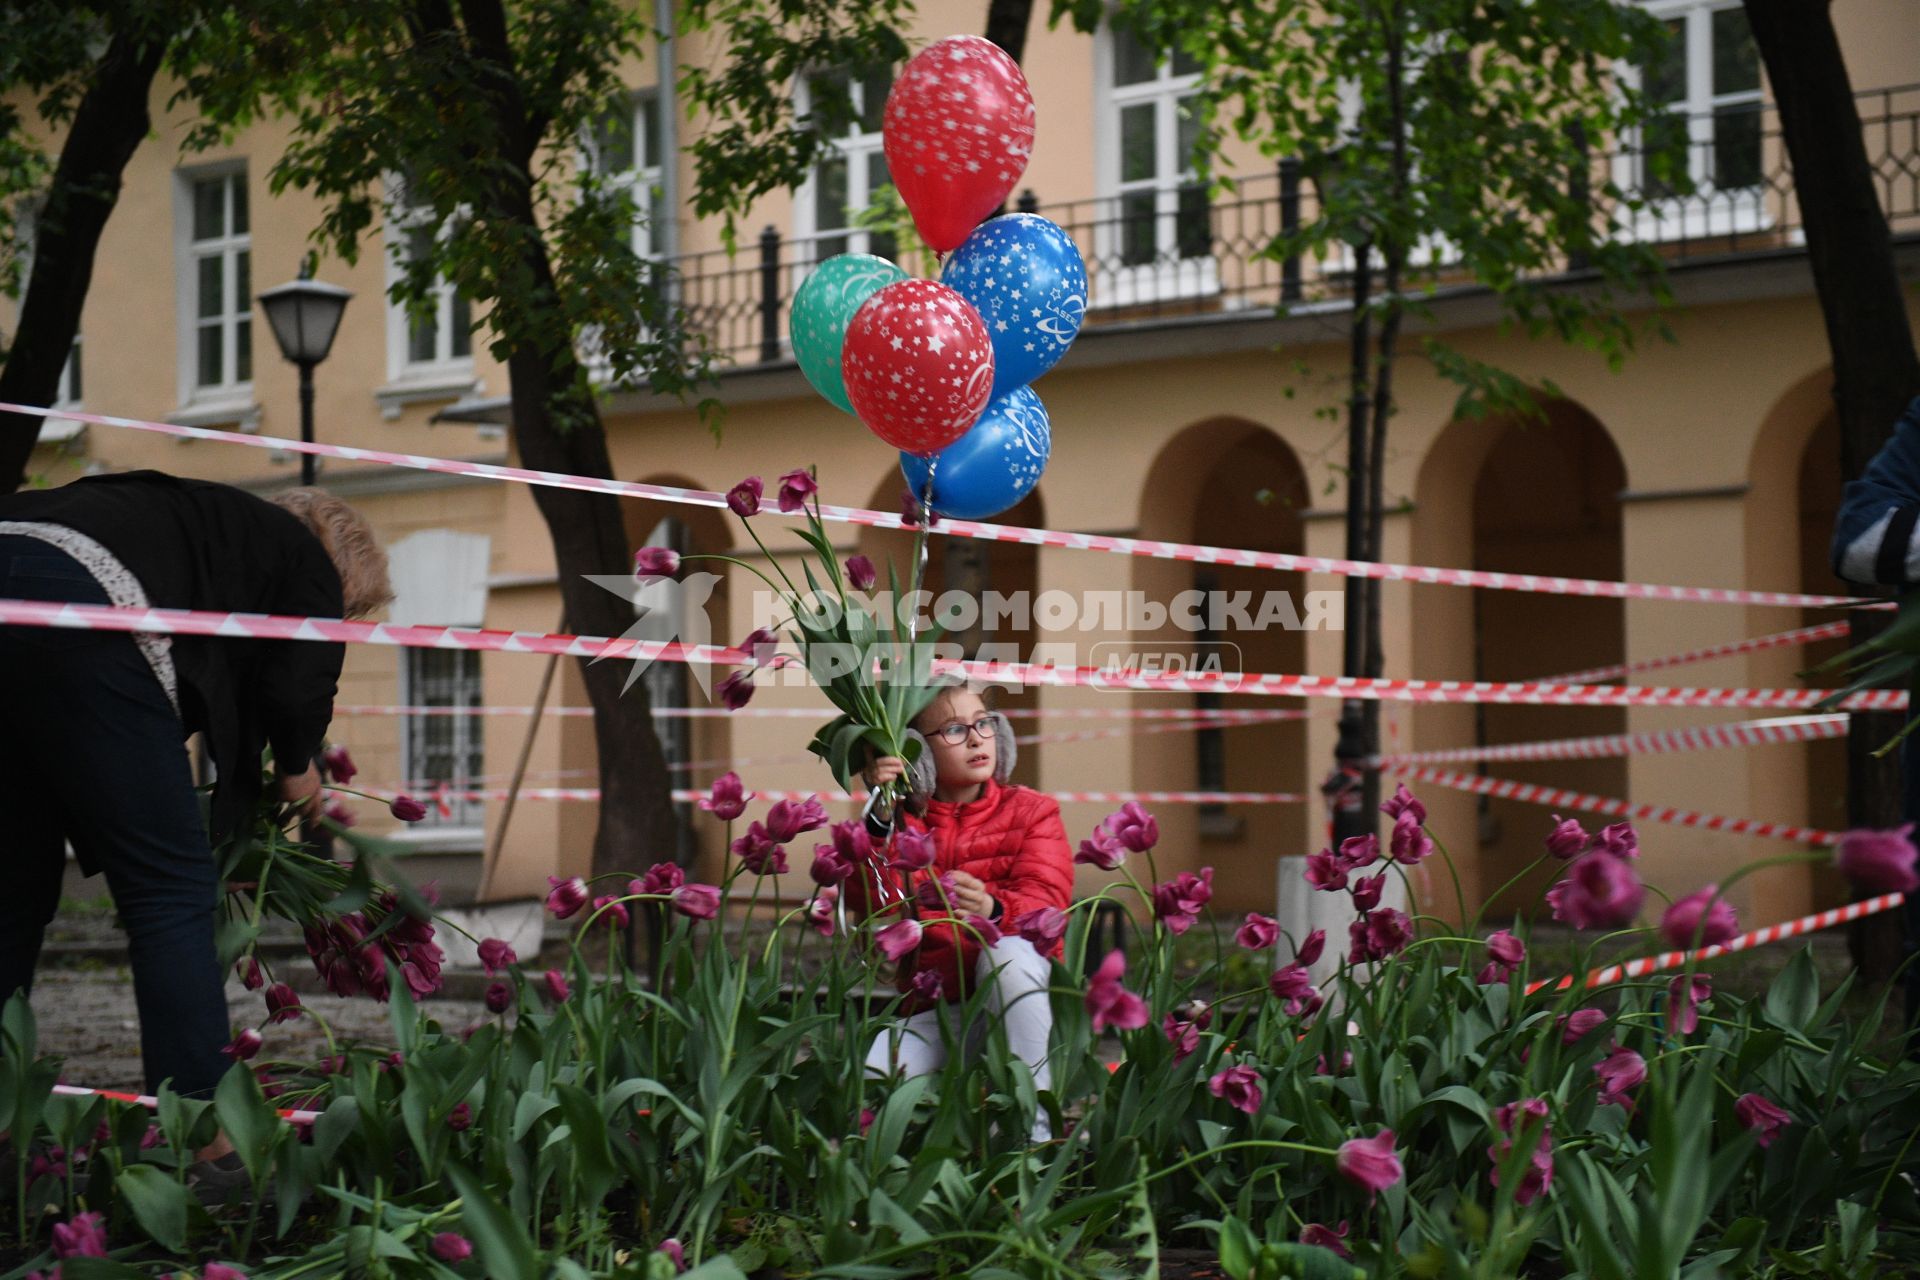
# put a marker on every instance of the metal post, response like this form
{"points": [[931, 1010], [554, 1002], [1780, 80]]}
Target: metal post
{"points": [[769, 295], [1289, 224], [307, 460], [1028, 202]]}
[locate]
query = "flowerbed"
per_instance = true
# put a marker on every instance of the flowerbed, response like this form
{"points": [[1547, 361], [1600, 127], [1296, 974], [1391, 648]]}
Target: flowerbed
{"points": [[1419, 1115]]}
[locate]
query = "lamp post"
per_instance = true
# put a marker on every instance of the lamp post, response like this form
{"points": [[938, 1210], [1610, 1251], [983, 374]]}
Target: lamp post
{"points": [[304, 315], [1352, 790]]}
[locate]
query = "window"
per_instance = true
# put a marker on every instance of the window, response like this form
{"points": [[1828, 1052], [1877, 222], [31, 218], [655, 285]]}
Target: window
{"points": [[625, 150], [443, 750], [1159, 229], [1709, 78], [434, 342], [217, 267], [845, 182]]}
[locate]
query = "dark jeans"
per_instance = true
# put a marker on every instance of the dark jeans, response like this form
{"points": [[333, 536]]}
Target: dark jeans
{"points": [[92, 753]]}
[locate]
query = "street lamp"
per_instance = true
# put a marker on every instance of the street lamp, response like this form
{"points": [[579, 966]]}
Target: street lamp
{"points": [[304, 316]]}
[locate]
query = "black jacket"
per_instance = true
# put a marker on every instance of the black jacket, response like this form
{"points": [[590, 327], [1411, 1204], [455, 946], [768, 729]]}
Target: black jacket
{"points": [[194, 544]]}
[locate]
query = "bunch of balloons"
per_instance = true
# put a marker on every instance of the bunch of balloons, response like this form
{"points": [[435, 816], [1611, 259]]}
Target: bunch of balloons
{"points": [[939, 369]]}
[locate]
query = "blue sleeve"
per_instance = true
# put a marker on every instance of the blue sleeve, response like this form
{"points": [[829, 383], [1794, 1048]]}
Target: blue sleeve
{"points": [[1874, 532]]}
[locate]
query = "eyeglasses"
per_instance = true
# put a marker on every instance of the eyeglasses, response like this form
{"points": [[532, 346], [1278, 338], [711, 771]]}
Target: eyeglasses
{"points": [[956, 733]]}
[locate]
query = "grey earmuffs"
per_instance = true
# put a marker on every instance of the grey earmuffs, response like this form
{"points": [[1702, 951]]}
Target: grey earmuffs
{"points": [[920, 775]]}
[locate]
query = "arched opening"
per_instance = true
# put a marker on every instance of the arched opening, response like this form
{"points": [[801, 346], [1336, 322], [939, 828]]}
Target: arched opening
{"points": [[1519, 497], [1233, 483], [1002, 580]]}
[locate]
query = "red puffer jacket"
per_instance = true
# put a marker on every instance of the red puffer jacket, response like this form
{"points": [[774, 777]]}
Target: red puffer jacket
{"points": [[1012, 839]]}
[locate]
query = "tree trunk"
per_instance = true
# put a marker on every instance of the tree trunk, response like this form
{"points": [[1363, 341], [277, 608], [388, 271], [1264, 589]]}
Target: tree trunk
{"points": [[107, 128], [637, 822], [1876, 372], [1007, 22]]}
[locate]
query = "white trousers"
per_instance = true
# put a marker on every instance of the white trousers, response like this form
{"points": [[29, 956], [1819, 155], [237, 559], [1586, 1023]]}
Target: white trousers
{"points": [[1014, 976]]}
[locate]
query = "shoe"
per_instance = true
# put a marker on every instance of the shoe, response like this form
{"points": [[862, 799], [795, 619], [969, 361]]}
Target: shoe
{"points": [[219, 1182]]}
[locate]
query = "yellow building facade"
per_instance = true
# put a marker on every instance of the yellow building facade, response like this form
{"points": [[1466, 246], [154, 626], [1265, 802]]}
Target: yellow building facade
{"points": [[1186, 411]]}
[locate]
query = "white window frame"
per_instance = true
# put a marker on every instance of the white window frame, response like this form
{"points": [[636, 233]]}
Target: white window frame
{"points": [[440, 578], [645, 182], [230, 400], [1165, 278], [446, 376], [857, 149], [1709, 211], [467, 819]]}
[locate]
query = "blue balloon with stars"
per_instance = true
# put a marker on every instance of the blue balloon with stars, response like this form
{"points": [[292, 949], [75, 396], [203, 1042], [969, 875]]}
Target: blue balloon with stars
{"points": [[1023, 274], [994, 465]]}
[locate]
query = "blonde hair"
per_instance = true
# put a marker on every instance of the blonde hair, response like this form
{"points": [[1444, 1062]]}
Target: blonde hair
{"points": [[350, 544]]}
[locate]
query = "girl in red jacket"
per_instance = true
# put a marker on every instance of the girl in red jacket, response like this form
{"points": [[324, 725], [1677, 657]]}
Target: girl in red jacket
{"points": [[1002, 854]]}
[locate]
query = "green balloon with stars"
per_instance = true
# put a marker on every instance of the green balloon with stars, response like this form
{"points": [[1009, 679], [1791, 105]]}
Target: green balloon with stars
{"points": [[822, 309]]}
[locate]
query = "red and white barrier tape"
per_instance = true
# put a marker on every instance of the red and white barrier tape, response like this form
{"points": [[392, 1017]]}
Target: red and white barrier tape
{"points": [[38, 613], [1532, 793], [1144, 547], [1755, 938], [1201, 714], [290, 1115], [843, 797], [1779, 640], [1745, 733]]}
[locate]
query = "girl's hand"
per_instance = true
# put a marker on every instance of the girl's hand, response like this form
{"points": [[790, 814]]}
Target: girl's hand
{"points": [[970, 896], [882, 771]]}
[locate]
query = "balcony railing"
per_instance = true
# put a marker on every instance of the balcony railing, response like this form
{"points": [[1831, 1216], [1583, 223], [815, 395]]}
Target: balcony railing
{"points": [[1173, 253]]}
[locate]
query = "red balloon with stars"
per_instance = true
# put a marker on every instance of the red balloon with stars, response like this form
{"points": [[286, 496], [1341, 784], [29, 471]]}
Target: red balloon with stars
{"points": [[918, 365], [958, 133]]}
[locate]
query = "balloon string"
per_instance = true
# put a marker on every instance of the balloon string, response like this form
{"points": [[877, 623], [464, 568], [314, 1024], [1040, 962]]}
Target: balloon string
{"points": [[920, 549]]}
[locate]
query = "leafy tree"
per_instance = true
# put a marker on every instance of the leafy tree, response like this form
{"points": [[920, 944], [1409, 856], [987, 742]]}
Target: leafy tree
{"points": [[1448, 139]]}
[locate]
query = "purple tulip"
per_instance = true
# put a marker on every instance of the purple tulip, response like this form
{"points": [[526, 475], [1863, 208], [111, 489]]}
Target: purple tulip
{"points": [[655, 562], [1577, 1024], [727, 799], [1568, 839], [673, 1250], [759, 852], [912, 510], [1600, 892], [1879, 861], [1102, 849], [449, 1247], [460, 1119], [1379, 934], [913, 850], [1320, 1236], [496, 955], [697, 901], [608, 910], [221, 1271], [499, 997], [1703, 915], [788, 819], [935, 893], [1763, 1117], [1404, 801], [1505, 953], [1685, 994], [735, 690], [1239, 1087], [1310, 947], [829, 867], [661, 878], [1042, 926], [282, 1004], [761, 646], [243, 1046], [795, 488], [1409, 845], [82, 1236], [1292, 984], [1133, 827], [897, 939], [1177, 903], [1326, 872], [860, 573], [1367, 891], [338, 812], [337, 764], [927, 986], [406, 808], [557, 989], [1258, 933], [1359, 851], [1539, 1172], [1184, 1036], [1620, 1072], [1369, 1162], [247, 969], [566, 897], [1619, 839], [820, 911], [1110, 1004], [744, 498]]}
